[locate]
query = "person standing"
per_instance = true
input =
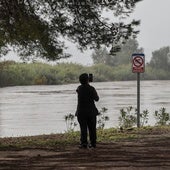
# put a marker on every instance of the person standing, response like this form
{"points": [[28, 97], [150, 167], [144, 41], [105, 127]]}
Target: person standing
{"points": [[86, 111]]}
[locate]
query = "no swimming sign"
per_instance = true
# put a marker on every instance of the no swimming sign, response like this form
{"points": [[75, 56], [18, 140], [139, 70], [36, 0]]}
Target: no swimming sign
{"points": [[138, 63]]}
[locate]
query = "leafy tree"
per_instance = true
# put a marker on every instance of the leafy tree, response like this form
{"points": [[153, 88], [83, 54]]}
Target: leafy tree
{"points": [[122, 56], [101, 56], [36, 28], [161, 59], [127, 49]]}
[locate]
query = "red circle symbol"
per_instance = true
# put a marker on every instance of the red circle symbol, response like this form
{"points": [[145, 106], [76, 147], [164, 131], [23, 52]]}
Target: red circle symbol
{"points": [[138, 61]]}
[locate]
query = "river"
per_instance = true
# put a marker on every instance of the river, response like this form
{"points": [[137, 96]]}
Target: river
{"points": [[35, 110]]}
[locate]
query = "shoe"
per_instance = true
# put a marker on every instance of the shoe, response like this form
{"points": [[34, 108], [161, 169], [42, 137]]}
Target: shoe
{"points": [[83, 147], [92, 146]]}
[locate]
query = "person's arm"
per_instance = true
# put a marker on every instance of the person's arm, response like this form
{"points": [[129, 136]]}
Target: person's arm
{"points": [[95, 95], [77, 90]]}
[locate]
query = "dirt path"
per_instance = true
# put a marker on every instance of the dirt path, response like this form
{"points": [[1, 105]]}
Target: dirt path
{"points": [[149, 153]]}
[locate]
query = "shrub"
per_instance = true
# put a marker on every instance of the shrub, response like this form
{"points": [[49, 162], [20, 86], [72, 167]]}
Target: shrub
{"points": [[102, 118], [162, 117], [70, 122], [144, 116], [127, 118]]}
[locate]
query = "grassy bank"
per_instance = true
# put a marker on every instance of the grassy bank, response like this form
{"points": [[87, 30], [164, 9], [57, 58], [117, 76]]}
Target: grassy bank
{"points": [[17, 74], [72, 138]]}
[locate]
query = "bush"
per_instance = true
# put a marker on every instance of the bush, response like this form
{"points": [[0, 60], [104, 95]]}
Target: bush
{"points": [[102, 118], [70, 122], [128, 117], [144, 116], [162, 117], [12, 73]]}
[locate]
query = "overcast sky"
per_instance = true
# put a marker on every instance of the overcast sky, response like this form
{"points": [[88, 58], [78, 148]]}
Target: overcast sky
{"points": [[155, 24], [154, 30]]}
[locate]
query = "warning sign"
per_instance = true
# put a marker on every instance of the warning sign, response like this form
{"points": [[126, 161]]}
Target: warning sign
{"points": [[138, 63]]}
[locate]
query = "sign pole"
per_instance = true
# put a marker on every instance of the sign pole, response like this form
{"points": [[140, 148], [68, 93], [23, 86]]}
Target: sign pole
{"points": [[138, 66], [138, 100]]}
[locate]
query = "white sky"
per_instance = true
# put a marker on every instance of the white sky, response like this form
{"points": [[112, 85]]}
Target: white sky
{"points": [[155, 25], [154, 30]]}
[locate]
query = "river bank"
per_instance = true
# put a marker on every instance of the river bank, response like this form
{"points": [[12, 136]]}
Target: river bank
{"points": [[146, 148]]}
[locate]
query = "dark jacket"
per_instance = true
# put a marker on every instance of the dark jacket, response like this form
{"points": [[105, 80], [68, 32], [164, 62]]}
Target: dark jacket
{"points": [[86, 97]]}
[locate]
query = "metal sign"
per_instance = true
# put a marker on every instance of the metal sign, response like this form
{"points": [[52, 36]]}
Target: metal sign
{"points": [[138, 63]]}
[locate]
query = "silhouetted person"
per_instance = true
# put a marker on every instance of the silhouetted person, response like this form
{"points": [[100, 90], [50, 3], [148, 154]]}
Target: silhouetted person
{"points": [[86, 111]]}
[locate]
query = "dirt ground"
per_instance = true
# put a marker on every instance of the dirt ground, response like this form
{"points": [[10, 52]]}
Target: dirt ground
{"points": [[149, 153]]}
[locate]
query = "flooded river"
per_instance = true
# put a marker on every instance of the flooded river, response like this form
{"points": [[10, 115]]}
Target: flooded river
{"points": [[34, 110]]}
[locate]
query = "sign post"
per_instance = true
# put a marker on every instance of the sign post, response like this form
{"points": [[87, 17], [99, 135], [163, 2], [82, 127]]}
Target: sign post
{"points": [[138, 100], [138, 66]]}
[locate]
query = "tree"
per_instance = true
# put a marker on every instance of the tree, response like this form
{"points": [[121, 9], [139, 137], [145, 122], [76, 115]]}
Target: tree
{"points": [[127, 49], [102, 55], [161, 59], [38, 27]]}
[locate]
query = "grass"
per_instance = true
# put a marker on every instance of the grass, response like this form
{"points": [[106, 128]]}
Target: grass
{"points": [[54, 141]]}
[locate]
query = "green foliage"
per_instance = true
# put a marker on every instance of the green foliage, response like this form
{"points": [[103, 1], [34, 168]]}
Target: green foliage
{"points": [[13, 74], [153, 73], [123, 73], [102, 56], [70, 122], [127, 49], [102, 72], [144, 116], [37, 28], [102, 118], [161, 59], [122, 57], [68, 73], [157, 69], [127, 118], [60, 141], [162, 117]]}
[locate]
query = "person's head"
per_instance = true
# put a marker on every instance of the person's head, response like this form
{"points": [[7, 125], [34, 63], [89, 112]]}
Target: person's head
{"points": [[84, 78]]}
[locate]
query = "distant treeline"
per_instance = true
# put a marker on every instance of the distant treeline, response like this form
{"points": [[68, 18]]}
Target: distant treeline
{"points": [[15, 74]]}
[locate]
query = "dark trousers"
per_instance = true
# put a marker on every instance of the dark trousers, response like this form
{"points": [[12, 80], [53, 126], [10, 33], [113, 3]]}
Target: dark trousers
{"points": [[87, 124]]}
